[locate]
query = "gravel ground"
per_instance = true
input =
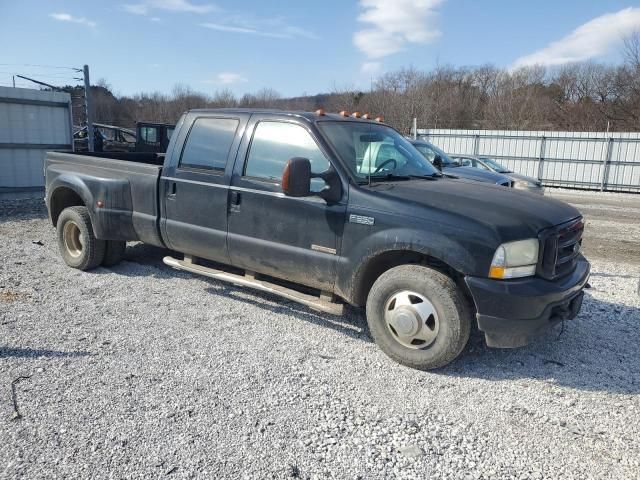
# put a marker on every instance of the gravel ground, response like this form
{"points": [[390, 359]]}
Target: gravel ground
{"points": [[141, 371]]}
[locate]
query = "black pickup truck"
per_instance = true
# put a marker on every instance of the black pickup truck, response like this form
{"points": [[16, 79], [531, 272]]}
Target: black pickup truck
{"points": [[328, 209]]}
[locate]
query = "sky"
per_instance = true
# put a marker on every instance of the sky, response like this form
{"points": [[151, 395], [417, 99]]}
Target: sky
{"points": [[296, 46]]}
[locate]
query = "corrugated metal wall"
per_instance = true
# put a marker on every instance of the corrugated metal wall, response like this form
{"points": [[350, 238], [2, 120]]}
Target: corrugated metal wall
{"points": [[31, 122], [590, 160]]}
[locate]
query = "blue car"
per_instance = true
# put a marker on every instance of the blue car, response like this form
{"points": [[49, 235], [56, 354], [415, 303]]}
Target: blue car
{"points": [[454, 168]]}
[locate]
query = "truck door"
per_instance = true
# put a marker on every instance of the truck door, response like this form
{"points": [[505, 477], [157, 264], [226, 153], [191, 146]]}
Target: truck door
{"points": [[292, 238], [195, 185]]}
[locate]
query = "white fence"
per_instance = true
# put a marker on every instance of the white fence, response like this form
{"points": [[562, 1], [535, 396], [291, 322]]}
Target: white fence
{"points": [[31, 122], [588, 160]]}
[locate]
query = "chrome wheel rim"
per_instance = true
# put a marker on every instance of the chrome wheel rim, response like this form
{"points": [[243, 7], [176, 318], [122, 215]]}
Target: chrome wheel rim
{"points": [[73, 239], [412, 319]]}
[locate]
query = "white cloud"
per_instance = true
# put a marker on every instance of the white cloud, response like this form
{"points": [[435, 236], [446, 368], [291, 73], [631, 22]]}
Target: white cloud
{"points": [[228, 78], [146, 6], [590, 40], [155, 19], [65, 17], [371, 68], [265, 27], [393, 24]]}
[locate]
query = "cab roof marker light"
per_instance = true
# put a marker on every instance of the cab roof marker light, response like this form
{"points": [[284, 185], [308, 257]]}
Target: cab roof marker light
{"points": [[343, 113], [366, 116], [380, 119], [355, 114], [320, 112]]}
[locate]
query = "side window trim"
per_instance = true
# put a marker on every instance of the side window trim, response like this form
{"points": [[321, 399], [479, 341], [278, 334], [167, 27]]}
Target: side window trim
{"points": [[218, 171]]}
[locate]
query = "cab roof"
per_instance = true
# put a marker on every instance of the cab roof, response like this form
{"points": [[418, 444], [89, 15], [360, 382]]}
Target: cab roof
{"points": [[310, 116]]}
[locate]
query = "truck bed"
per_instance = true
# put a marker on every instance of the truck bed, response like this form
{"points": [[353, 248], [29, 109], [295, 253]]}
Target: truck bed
{"points": [[125, 184]]}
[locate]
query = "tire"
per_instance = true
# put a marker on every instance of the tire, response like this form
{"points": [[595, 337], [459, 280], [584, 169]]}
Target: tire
{"points": [[78, 245], [114, 252], [443, 320]]}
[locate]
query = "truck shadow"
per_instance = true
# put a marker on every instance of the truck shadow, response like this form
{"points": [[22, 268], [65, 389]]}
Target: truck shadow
{"points": [[352, 323], [597, 351]]}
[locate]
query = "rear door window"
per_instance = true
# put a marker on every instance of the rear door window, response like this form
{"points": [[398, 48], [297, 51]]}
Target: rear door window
{"points": [[208, 144]]}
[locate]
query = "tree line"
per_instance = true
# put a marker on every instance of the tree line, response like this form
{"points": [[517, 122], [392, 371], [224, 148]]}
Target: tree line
{"points": [[576, 97]]}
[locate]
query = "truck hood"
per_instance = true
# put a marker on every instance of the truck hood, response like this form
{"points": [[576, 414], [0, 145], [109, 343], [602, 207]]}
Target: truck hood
{"points": [[475, 174], [511, 214]]}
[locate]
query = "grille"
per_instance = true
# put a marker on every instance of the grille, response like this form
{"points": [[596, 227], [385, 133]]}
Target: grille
{"points": [[560, 248]]}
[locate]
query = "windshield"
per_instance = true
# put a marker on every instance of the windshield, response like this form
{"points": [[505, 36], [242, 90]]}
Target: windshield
{"points": [[430, 151], [495, 165], [375, 150]]}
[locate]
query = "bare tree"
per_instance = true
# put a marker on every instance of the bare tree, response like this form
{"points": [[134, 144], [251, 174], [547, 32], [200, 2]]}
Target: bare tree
{"points": [[579, 96]]}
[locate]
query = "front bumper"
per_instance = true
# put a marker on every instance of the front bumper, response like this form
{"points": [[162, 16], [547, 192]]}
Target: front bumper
{"points": [[511, 313], [533, 189]]}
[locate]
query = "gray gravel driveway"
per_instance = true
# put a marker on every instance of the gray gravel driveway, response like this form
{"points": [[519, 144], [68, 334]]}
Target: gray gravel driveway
{"points": [[139, 371]]}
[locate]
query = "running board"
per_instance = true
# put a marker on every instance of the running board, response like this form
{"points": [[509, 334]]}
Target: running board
{"points": [[322, 303]]}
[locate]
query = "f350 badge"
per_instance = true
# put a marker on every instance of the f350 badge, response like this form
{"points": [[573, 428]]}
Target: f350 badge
{"points": [[361, 219]]}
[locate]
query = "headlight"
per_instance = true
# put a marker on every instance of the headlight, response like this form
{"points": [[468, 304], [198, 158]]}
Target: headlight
{"points": [[522, 184], [515, 259]]}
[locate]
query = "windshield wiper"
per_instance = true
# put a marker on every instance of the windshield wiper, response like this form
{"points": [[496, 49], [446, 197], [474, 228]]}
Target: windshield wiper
{"points": [[431, 176], [387, 176]]}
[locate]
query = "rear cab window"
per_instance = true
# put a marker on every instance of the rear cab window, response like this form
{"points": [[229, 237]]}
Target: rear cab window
{"points": [[149, 135], [208, 143]]}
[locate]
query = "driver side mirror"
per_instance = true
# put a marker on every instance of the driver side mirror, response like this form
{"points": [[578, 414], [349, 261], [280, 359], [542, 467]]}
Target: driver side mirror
{"points": [[296, 178], [296, 181], [437, 162]]}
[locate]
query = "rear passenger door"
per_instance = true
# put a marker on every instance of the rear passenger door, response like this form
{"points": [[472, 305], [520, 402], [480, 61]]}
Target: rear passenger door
{"points": [[195, 186]]}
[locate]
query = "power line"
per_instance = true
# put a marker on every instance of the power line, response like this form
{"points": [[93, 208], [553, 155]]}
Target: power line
{"points": [[36, 65], [56, 75]]}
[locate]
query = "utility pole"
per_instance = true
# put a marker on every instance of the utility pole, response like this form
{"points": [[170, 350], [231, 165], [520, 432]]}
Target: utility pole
{"points": [[89, 108], [14, 81], [414, 128]]}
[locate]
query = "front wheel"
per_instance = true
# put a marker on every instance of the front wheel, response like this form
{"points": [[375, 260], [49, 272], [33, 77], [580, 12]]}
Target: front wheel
{"points": [[418, 316], [78, 245]]}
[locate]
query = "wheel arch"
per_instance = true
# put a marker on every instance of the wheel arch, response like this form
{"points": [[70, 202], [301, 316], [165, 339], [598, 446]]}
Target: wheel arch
{"points": [[375, 265], [67, 192]]}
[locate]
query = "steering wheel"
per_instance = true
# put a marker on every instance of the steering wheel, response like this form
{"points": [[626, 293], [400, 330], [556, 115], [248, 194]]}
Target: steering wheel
{"points": [[395, 164]]}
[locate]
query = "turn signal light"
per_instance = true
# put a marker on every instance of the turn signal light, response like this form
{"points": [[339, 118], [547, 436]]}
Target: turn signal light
{"points": [[100, 204], [496, 272]]}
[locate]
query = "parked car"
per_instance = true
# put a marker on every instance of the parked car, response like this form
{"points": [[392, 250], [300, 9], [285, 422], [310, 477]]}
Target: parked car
{"points": [[521, 182], [280, 202], [454, 168], [153, 136], [106, 138]]}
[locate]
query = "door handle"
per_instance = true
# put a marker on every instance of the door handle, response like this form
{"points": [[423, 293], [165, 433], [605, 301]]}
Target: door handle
{"points": [[234, 201], [172, 190]]}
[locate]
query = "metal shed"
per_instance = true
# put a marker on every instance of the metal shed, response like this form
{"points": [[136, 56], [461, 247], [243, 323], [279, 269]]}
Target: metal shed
{"points": [[31, 122]]}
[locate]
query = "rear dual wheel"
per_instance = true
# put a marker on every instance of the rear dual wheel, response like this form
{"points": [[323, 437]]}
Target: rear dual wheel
{"points": [[418, 316], [78, 245]]}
